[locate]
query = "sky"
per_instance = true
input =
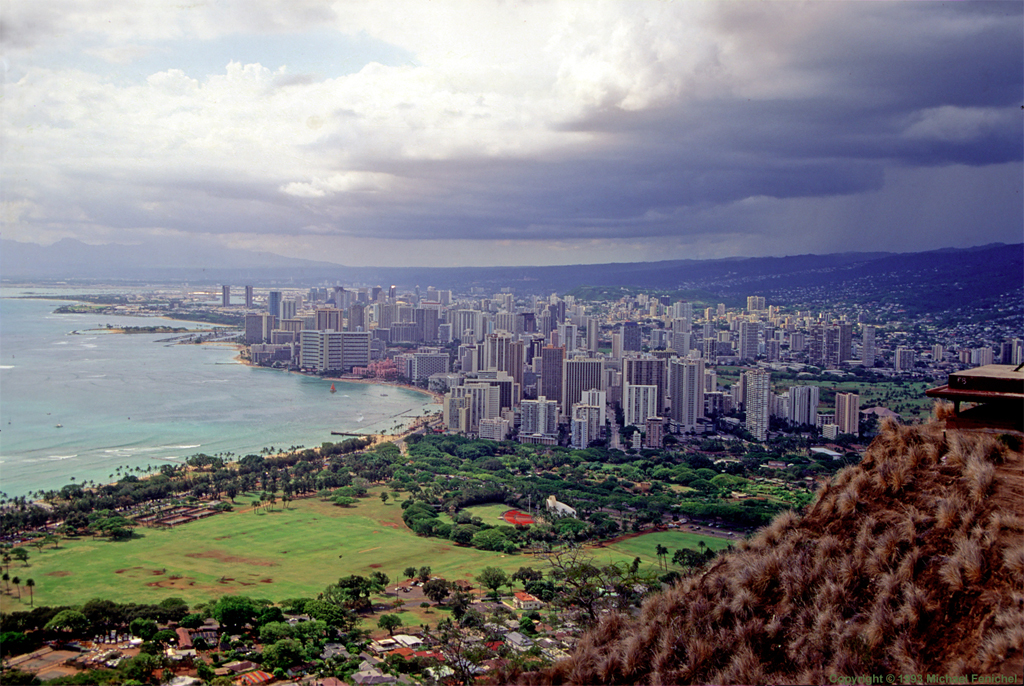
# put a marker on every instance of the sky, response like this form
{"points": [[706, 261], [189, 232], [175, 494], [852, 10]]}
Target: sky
{"points": [[445, 133]]}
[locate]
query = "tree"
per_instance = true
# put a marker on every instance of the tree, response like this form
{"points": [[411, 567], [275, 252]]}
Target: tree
{"points": [[389, 622], [661, 551], [193, 621], [352, 592], [409, 572], [332, 615], [282, 654], [492, 578], [141, 667], [20, 554], [380, 581], [17, 584], [460, 604], [143, 628], [437, 590], [424, 574], [383, 496], [70, 621], [527, 574], [490, 539], [234, 612], [7, 582]]}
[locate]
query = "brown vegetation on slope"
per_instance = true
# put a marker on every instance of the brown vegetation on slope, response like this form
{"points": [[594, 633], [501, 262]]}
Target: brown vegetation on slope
{"points": [[910, 563]]}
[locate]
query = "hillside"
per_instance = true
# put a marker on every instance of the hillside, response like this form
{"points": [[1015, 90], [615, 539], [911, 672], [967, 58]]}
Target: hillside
{"points": [[910, 563]]}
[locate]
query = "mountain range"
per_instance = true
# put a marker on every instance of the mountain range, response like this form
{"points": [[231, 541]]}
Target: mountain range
{"points": [[962, 277]]}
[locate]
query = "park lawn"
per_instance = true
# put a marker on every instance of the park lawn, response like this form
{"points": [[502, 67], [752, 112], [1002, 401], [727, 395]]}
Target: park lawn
{"points": [[490, 514], [644, 546], [286, 552]]}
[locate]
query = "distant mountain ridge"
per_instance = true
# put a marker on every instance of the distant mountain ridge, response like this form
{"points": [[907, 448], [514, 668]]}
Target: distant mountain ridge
{"points": [[953, 277]]}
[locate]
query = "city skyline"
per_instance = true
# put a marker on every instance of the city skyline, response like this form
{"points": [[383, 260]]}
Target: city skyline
{"points": [[450, 134]]}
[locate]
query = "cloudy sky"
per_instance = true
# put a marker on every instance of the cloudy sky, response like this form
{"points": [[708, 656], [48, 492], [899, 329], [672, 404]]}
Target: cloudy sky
{"points": [[442, 133]]}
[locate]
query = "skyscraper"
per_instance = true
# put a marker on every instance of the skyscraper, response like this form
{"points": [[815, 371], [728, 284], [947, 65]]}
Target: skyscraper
{"points": [[649, 371], [328, 318], [639, 403], [631, 337], [848, 413], [758, 402], [579, 375], [748, 340], [686, 386], [867, 354], [593, 328], [539, 416], [274, 303], [904, 359], [225, 296], [803, 405], [585, 426], [551, 360], [248, 297]]}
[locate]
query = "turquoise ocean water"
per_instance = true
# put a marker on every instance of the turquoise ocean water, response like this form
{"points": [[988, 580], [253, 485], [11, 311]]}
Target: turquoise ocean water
{"points": [[133, 401]]}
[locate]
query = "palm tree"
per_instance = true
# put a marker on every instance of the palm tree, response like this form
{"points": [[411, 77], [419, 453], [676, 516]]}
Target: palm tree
{"points": [[7, 582], [31, 584], [17, 583], [661, 551]]}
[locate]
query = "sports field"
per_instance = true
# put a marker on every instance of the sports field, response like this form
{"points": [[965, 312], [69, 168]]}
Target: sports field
{"points": [[283, 553]]}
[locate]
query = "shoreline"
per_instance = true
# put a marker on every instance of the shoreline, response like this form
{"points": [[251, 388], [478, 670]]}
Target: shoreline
{"points": [[436, 397]]}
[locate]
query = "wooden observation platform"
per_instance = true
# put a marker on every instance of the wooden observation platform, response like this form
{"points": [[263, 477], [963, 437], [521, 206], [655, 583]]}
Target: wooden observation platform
{"points": [[996, 392]]}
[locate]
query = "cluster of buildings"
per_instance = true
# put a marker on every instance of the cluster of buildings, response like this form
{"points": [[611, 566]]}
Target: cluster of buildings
{"points": [[557, 370]]}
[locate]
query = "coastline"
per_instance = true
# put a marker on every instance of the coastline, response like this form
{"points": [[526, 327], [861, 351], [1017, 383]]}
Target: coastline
{"points": [[410, 427]]}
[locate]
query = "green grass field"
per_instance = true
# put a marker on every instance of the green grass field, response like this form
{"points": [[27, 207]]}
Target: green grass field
{"points": [[490, 514], [644, 546], [287, 552]]}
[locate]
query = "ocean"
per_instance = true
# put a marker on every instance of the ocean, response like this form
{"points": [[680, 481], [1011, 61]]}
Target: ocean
{"points": [[133, 401]]}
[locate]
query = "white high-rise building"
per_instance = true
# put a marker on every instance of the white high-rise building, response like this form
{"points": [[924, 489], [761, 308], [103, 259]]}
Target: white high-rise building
{"points": [[539, 416], [803, 405], [585, 426], [466, 405], [597, 399], [758, 406], [904, 359], [638, 403], [848, 413], [748, 340], [332, 351], [686, 388]]}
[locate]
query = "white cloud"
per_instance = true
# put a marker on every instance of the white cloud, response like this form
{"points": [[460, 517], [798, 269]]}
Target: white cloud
{"points": [[546, 119]]}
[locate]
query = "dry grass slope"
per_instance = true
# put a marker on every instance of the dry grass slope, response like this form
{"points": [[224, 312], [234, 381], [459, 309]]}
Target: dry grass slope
{"points": [[910, 563]]}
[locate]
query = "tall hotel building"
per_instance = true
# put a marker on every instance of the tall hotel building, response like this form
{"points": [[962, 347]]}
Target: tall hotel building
{"points": [[848, 413], [646, 371], [867, 354], [274, 303], [686, 386], [748, 340], [578, 376], [551, 362], [758, 404]]}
